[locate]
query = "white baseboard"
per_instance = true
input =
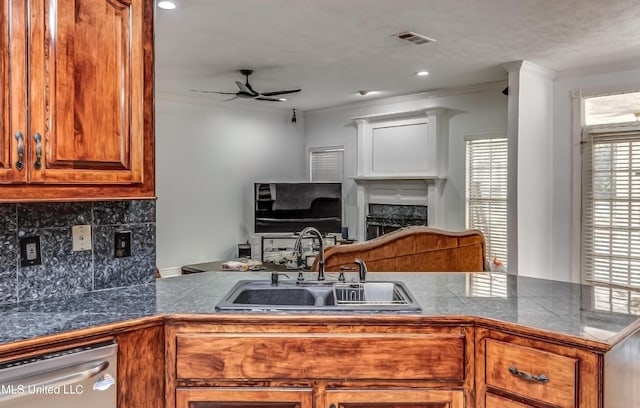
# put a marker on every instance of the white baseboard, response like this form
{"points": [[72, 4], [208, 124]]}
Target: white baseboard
{"points": [[167, 272]]}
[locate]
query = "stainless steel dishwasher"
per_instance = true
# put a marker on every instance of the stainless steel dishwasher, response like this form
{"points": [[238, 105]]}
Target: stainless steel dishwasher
{"points": [[74, 378]]}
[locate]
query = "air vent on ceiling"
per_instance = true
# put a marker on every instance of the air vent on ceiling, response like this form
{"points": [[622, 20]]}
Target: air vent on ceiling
{"points": [[414, 38]]}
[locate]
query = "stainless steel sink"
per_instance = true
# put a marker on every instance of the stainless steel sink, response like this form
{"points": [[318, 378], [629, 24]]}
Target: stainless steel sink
{"points": [[314, 296], [276, 296]]}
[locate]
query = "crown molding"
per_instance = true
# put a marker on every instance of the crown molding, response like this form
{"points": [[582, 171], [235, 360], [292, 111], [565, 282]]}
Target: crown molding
{"points": [[436, 93], [632, 64], [524, 65]]}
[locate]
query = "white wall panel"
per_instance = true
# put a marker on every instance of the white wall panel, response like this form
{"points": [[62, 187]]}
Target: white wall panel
{"points": [[403, 149], [207, 159]]}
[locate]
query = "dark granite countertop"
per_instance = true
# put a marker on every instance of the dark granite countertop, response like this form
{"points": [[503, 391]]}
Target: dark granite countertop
{"points": [[591, 313]]}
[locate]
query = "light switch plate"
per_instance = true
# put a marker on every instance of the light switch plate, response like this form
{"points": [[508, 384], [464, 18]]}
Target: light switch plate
{"points": [[30, 253], [122, 241], [81, 235]]}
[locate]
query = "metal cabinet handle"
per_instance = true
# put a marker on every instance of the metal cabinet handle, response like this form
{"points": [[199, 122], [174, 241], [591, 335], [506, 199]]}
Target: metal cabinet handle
{"points": [[38, 139], [542, 378], [20, 139]]}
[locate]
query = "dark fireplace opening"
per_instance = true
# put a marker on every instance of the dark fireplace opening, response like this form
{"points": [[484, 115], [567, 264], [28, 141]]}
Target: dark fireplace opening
{"points": [[384, 218]]}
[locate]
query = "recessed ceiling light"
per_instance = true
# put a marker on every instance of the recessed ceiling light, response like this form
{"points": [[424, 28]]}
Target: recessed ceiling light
{"points": [[166, 5], [282, 99], [422, 73]]}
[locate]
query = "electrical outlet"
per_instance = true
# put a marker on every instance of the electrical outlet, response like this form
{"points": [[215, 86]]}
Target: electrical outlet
{"points": [[81, 237], [30, 251], [122, 245]]}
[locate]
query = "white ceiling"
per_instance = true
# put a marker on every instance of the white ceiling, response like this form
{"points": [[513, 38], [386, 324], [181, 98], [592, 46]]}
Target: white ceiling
{"points": [[334, 48]]}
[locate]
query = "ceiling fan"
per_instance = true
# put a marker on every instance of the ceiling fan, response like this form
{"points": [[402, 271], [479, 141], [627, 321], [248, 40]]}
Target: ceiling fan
{"points": [[246, 91]]}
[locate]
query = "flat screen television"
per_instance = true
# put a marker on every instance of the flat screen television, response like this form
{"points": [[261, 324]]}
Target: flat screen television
{"points": [[290, 207]]}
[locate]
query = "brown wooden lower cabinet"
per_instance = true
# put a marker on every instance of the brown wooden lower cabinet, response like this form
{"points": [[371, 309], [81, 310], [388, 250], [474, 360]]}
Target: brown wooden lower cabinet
{"points": [[530, 370], [318, 362], [319, 366], [304, 398]]}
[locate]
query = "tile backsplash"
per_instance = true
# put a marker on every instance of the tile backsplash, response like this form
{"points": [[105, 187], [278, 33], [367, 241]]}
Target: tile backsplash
{"points": [[64, 271]]}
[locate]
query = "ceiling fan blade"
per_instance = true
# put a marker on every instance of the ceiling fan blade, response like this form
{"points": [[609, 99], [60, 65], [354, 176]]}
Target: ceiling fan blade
{"points": [[215, 92], [274, 93], [248, 85], [246, 89], [263, 98]]}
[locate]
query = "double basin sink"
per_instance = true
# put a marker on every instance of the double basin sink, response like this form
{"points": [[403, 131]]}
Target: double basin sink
{"points": [[319, 296]]}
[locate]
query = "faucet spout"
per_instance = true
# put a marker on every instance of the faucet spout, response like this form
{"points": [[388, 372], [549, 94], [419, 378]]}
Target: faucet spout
{"points": [[298, 249], [362, 269]]}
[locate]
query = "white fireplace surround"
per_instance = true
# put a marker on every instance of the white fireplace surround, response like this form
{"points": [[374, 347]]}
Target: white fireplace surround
{"points": [[402, 159]]}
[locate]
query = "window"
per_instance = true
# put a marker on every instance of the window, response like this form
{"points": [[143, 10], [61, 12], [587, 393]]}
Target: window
{"points": [[326, 164], [615, 108], [486, 193], [610, 182], [611, 206]]}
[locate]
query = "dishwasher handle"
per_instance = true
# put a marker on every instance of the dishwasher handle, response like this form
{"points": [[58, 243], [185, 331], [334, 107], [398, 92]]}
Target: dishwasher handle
{"points": [[64, 376]]}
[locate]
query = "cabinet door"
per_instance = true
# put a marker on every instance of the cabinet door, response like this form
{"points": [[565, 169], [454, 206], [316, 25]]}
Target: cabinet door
{"points": [[494, 401], [243, 397], [417, 398], [86, 91], [13, 75]]}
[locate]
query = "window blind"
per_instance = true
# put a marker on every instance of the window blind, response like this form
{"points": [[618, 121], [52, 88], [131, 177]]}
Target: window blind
{"points": [[611, 207], [486, 193], [327, 164]]}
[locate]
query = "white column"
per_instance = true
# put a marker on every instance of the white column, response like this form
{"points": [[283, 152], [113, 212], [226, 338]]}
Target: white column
{"points": [[435, 125], [530, 132], [364, 148], [361, 204]]}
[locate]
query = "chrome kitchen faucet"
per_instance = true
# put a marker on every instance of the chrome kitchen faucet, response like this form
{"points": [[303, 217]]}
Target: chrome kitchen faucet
{"points": [[297, 248]]}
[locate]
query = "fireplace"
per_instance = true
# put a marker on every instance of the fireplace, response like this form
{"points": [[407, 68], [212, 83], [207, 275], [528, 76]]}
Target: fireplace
{"points": [[402, 165], [384, 218]]}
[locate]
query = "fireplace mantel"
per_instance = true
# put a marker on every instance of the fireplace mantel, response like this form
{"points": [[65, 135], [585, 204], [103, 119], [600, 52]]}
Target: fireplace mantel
{"points": [[402, 159], [372, 179]]}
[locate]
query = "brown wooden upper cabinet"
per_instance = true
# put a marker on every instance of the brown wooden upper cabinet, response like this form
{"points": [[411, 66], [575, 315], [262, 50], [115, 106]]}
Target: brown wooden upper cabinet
{"points": [[77, 104]]}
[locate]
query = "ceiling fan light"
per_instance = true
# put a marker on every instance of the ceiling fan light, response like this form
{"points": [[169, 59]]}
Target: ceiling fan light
{"points": [[282, 99], [166, 5]]}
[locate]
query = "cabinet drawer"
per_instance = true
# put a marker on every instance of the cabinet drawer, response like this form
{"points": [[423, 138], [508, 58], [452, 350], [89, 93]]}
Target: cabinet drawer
{"points": [[512, 368], [493, 401], [320, 356]]}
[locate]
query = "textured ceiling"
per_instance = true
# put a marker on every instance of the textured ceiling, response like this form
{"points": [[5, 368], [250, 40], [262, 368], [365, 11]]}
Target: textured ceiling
{"points": [[334, 48]]}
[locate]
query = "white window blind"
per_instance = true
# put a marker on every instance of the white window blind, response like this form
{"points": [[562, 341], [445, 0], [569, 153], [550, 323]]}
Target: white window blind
{"points": [[327, 164], [611, 207], [486, 193]]}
